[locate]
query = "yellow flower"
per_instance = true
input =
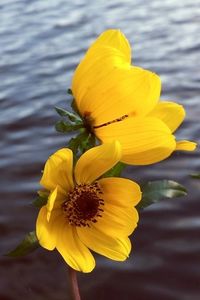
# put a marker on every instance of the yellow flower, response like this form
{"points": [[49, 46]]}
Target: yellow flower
{"points": [[120, 101], [86, 212]]}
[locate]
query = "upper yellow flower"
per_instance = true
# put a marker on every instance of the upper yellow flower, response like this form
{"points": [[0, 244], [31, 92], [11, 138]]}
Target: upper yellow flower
{"points": [[120, 101], [87, 212]]}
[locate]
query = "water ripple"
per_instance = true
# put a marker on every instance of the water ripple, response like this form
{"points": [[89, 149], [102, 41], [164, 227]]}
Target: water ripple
{"points": [[41, 44]]}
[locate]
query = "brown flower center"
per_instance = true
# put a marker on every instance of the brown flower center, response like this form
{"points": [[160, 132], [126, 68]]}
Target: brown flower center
{"points": [[83, 205]]}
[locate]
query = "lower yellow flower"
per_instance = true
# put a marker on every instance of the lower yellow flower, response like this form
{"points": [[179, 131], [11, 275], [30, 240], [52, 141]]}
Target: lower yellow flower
{"points": [[86, 212]]}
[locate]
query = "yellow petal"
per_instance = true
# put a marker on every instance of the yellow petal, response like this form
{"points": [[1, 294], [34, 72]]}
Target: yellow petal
{"points": [[46, 231], [55, 200], [120, 191], [114, 47], [115, 39], [172, 114], [186, 145], [143, 140], [58, 171], [73, 251], [117, 221], [112, 247], [107, 87], [50, 203], [96, 161]]}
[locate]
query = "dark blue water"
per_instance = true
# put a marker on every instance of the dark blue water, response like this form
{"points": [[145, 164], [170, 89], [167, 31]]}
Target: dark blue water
{"points": [[41, 42]]}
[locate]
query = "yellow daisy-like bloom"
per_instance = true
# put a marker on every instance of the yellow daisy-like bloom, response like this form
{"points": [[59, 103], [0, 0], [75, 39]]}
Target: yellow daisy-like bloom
{"points": [[84, 212], [121, 101]]}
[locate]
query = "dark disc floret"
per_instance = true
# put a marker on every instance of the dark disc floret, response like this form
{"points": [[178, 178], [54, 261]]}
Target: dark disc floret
{"points": [[84, 205]]}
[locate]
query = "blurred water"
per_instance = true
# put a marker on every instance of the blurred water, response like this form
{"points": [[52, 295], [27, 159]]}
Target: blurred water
{"points": [[41, 42]]}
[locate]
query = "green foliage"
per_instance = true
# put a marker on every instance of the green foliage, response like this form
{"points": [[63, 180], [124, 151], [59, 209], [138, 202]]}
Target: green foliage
{"points": [[155, 191], [65, 113], [65, 127], [41, 199], [195, 175], [70, 122], [87, 142], [82, 142], [116, 170], [74, 143], [27, 245]]}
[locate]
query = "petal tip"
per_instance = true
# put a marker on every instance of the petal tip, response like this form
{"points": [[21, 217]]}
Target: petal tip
{"points": [[186, 145]]}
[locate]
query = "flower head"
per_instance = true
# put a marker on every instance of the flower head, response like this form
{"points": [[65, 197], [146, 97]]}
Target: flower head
{"points": [[84, 212], [121, 101]]}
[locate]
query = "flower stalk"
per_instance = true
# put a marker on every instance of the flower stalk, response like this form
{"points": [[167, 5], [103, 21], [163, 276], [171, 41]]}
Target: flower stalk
{"points": [[74, 284]]}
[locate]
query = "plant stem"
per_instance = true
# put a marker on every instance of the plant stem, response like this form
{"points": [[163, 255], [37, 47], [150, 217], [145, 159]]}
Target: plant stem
{"points": [[74, 284]]}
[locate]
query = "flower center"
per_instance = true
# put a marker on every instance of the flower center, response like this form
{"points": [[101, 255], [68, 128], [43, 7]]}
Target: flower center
{"points": [[88, 121], [83, 205]]}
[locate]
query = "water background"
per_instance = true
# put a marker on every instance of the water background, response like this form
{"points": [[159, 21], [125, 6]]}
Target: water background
{"points": [[41, 42]]}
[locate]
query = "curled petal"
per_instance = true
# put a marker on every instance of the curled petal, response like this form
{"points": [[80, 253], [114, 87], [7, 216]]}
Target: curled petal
{"points": [[55, 201], [58, 171], [50, 203], [172, 114], [96, 161], [186, 145], [46, 231]]}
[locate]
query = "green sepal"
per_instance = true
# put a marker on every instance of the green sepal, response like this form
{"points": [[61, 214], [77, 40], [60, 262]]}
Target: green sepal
{"points": [[116, 170], [41, 199], [27, 245], [87, 142], [195, 175], [74, 143], [64, 127], [82, 142], [155, 191], [65, 113]]}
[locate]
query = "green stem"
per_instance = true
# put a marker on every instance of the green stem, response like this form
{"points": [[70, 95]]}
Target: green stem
{"points": [[74, 284]]}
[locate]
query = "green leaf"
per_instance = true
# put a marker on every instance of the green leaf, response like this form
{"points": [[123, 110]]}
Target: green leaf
{"points": [[64, 127], [64, 113], [196, 176], [41, 200], [154, 191], [116, 170], [27, 245], [74, 143], [82, 142]]}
